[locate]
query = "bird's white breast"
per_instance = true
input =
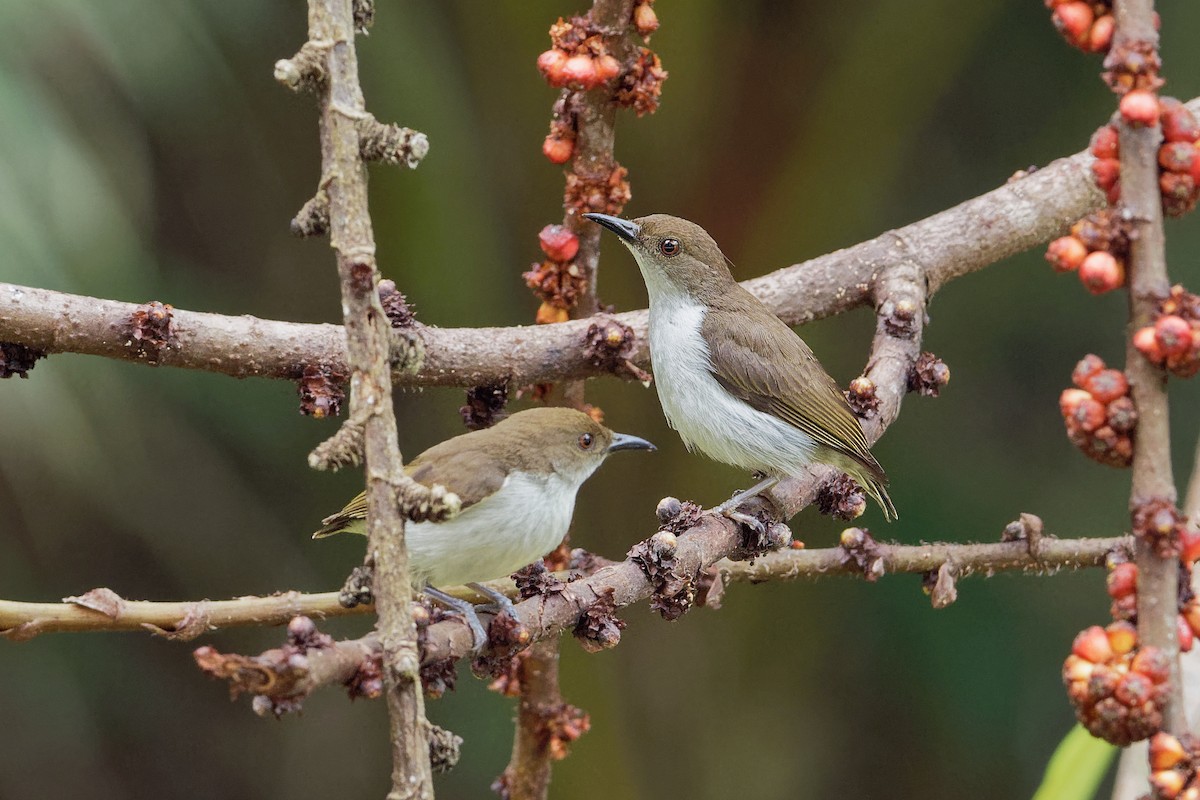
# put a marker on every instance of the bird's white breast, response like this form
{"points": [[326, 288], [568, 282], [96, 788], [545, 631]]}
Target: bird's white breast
{"points": [[522, 521], [709, 418]]}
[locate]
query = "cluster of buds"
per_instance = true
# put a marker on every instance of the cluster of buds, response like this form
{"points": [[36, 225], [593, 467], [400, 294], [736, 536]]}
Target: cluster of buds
{"points": [[1099, 414], [606, 192], [1174, 767], [641, 85], [1096, 248], [1088, 26], [557, 280], [1122, 588], [1117, 688], [1178, 157], [1173, 341]]}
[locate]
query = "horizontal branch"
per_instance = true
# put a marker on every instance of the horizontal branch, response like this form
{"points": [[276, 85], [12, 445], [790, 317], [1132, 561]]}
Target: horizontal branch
{"points": [[186, 620], [960, 240]]}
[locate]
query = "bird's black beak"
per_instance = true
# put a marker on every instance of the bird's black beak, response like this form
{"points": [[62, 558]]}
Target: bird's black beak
{"points": [[627, 230], [623, 441]]}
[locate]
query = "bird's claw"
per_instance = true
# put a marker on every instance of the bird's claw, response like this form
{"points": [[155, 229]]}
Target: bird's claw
{"points": [[750, 521], [479, 635]]}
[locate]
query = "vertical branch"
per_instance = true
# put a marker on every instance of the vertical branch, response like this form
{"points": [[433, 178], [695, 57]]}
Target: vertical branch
{"points": [[594, 177], [372, 423], [1158, 576]]}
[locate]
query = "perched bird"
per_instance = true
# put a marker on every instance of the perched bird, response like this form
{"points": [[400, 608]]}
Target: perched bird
{"points": [[517, 482], [736, 382]]}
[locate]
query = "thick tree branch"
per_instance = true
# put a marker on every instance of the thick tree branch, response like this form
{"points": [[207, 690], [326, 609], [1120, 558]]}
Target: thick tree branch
{"points": [[1002, 222], [1158, 575]]}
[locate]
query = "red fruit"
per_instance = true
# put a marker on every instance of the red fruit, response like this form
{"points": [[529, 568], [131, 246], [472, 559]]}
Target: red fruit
{"points": [[1165, 751], [1066, 253], [1105, 142], [558, 149], [644, 19], [1100, 272], [607, 68], [580, 69], [1195, 171], [1122, 581], [1088, 366], [1189, 551], [1177, 156], [1088, 415], [1134, 690], [1107, 385], [550, 64], [1146, 341], [1113, 195], [558, 243], [1168, 783], [1070, 400], [1073, 21], [1106, 171], [1100, 37], [1140, 107], [1122, 637], [1183, 631], [1173, 335], [1153, 663], [1179, 124], [1091, 644]]}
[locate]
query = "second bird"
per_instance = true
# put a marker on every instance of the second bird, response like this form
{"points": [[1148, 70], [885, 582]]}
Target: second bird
{"points": [[736, 382]]}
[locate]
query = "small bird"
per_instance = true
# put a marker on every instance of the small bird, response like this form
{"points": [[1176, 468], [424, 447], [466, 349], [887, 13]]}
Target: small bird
{"points": [[736, 382], [517, 482]]}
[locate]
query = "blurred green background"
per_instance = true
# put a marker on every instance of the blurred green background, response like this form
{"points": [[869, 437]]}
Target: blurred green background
{"points": [[147, 153]]}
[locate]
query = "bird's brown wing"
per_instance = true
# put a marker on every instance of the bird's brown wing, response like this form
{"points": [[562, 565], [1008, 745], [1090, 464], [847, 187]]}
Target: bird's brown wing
{"points": [[761, 361], [432, 467]]}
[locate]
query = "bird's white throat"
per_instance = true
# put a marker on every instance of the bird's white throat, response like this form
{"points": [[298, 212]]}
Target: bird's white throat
{"points": [[709, 419], [523, 520]]}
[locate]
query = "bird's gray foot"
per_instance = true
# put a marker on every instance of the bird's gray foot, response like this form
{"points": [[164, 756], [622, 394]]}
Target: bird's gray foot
{"points": [[500, 602], [751, 522], [478, 632], [728, 509]]}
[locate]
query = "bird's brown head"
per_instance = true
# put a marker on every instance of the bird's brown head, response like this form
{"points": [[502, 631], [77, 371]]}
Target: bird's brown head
{"points": [[560, 440], [673, 254]]}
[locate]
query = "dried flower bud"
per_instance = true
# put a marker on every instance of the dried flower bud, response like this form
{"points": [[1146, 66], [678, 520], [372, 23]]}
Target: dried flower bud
{"points": [[1091, 644], [1178, 122], [580, 70], [1146, 341], [1173, 335], [550, 64], [1087, 366], [1106, 171], [1165, 751], [1122, 580], [644, 19], [1100, 36], [558, 149], [1107, 385], [1074, 21]]}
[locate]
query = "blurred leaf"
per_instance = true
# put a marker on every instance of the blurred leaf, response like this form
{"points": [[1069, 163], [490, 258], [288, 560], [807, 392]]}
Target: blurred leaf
{"points": [[1078, 765]]}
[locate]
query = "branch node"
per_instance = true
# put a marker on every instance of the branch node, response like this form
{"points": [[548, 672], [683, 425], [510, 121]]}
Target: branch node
{"points": [[863, 398], [305, 72], [320, 390], [445, 747], [395, 305], [151, 331], [928, 375], [944, 590], [859, 546], [841, 497], [313, 217], [599, 628], [391, 144], [485, 405], [17, 359]]}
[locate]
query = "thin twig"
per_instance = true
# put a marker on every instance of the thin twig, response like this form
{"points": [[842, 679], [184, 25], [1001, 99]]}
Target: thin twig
{"points": [[368, 345]]}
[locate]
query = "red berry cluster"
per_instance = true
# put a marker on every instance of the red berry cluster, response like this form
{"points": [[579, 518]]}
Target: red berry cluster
{"points": [[579, 57], [1096, 248], [1088, 26], [557, 280], [1174, 767], [1099, 414], [1178, 157], [1173, 341], [1116, 687]]}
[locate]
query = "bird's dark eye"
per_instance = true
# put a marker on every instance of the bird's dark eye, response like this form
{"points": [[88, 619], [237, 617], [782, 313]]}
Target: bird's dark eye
{"points": [[669, 247], [585, 441]]}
